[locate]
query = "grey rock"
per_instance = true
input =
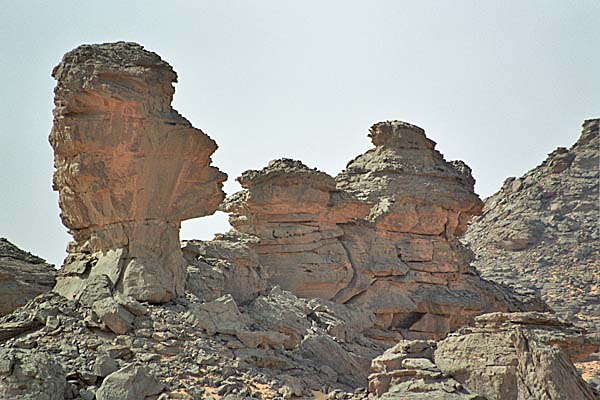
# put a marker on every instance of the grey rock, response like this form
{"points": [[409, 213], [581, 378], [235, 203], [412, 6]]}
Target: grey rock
{"points": [[218, 316], [113, 315], [22, 276], [129, 383], [30, 375]]}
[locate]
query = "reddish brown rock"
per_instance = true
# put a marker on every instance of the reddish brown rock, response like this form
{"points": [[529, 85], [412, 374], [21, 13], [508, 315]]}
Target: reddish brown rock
{"points": [[382, 235], [129, 169]]}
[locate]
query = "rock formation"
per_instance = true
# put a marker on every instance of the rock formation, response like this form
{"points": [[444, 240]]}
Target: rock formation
{"points": [[319, 277], [540, 232], [522, 356], [129, 169], [22, 276], [382, 235]]}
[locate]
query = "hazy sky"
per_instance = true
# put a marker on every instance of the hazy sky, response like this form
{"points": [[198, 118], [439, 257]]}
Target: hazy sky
{"points": [[498, 84]]}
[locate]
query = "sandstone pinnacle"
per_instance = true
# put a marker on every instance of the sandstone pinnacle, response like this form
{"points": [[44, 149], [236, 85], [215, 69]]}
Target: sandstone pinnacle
{"points": [[129, 169]]}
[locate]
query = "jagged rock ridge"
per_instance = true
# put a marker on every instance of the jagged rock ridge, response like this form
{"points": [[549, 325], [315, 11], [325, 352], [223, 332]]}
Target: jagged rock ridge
{"points": [[129, 169], [22, 276]]}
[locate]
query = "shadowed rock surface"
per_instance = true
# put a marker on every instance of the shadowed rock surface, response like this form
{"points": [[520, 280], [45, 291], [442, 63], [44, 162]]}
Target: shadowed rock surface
{"points": [[22, 276], [129, 169]]}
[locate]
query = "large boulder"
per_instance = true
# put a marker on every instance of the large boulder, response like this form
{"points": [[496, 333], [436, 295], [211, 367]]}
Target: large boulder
{"points": [[129, 383], [505, 356], [129, 169]]}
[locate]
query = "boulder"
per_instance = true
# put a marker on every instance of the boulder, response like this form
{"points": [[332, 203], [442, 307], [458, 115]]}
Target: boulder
{"points": [[218, 316], [129, 383]]}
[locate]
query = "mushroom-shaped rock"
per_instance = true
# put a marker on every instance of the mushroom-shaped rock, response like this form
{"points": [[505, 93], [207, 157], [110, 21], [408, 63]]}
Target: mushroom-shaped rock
{"points": [[129, 169]]}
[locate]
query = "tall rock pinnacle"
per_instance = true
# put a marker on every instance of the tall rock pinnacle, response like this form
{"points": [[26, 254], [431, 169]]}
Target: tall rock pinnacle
{"points": [[129, 169]]}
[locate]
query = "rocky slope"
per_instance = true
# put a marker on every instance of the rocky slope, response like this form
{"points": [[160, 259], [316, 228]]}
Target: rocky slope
{"points": [[541, 233], [22, 276]]}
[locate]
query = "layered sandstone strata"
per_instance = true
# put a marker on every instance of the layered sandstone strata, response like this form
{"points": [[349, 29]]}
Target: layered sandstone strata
{"points": [[382, 235], [129, 169]]}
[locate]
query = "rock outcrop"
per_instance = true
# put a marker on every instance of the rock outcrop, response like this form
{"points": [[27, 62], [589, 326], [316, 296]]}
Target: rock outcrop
{"points": [[540, 231], [129, 169], [382, 235], [22, 276], [510, 356]]}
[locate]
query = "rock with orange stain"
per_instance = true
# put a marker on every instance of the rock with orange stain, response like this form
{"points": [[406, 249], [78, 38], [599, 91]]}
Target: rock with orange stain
{"points": [[129, 169], [382, 235]]}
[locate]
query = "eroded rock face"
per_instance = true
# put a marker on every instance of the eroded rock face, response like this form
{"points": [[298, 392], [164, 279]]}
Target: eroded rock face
{"points": [[129, 169], [382, 235], [505, 356], [540, 231], [22, 276]]}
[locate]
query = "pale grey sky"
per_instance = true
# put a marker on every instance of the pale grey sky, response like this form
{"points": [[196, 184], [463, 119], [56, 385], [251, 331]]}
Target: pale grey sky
{"points": [[498, 84]]}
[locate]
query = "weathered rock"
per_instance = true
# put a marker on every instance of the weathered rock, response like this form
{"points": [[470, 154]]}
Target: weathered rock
{"points": [[129, 169], [218, 316], [225, 265], [513, 357], [323, 350], [129, 383], [114, 315], [380, 236], [540, 231], [104, 366], [406, 371], [22, 276], [505, 356], [539, 234], [30, 375]]}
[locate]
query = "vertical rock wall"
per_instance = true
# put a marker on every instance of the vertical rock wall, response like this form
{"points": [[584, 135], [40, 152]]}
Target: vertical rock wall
{"points": [[129, 169]]}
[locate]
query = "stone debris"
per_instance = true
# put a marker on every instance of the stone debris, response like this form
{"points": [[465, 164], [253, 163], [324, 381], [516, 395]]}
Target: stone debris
{"points": [[30, 375], [129, 169], [22, 276]]}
